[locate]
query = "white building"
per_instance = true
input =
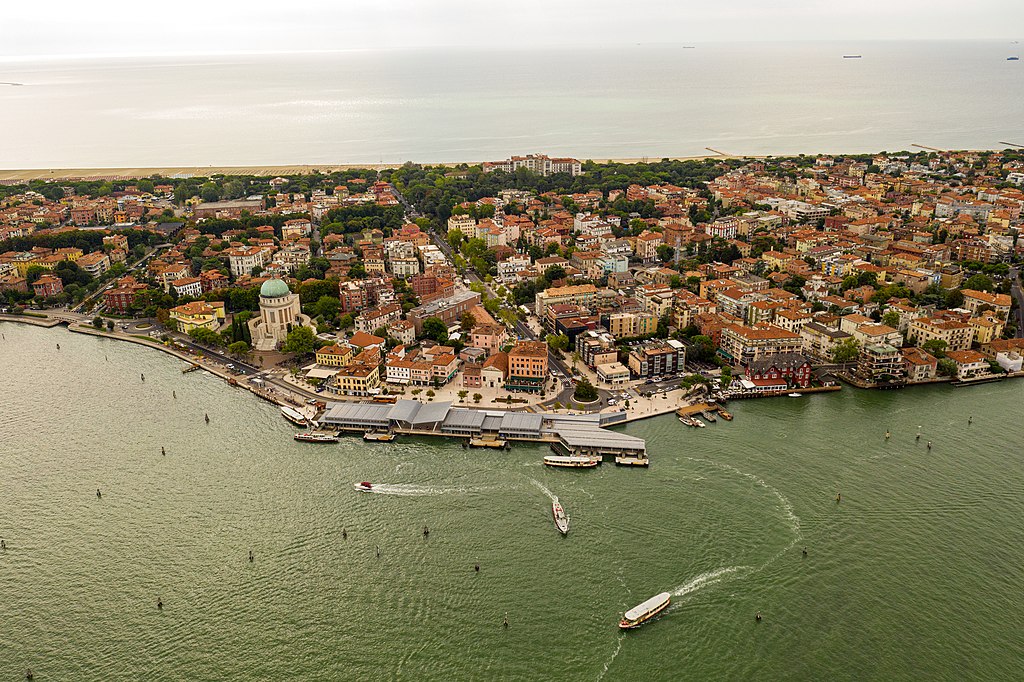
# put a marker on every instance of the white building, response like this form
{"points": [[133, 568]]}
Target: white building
{"points": [[243, 259]]}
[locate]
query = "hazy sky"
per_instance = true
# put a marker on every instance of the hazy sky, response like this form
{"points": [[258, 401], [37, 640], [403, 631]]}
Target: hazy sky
{"points": [[120, 27]]}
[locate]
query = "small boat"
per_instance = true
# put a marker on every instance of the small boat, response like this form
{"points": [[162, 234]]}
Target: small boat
{"points": [[709, 416], [625, 460], [364, 487], [686, 421], [795, 395], [494, 443], [851, 56], [561, 520], [378, 437], [697, 422], [571, 461], [640, 614], [1013, 59], [294, 416], [316, 437], [727, 416]]}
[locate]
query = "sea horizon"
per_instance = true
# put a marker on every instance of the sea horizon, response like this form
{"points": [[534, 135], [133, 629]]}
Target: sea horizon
{"points": [[358, 107]]}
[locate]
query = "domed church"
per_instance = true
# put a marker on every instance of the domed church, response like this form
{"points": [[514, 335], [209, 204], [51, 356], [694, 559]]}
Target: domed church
{"points": [[280, 311]]}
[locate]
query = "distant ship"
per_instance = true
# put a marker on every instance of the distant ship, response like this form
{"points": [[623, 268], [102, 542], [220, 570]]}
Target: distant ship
{"points": [[1013, 59], [561, 520], [316, 437], [638, 615], [851, 56]]}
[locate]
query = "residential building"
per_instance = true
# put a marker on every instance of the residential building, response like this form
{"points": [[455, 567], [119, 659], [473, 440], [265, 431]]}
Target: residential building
{"points": [[527, 366], [957, 335], [794, 368], [919, 365], [448, 310], [613, 373], [596, 347], [372, 319], [969, 363], [742, 345], [95, 263], [656, 359], [880, 363], [47, 285], [980, 301], [242, 259], [819, 341], [490, 337], [360, 377], [188, 286], [198, 315], [582, 294], [334, 355]]}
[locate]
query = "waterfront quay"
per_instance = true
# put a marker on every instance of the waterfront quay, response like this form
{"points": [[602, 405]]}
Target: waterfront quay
{"points": [[578, 434]]}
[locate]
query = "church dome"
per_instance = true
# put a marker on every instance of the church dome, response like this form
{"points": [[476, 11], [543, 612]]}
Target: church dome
{"points": [[274, 288]]}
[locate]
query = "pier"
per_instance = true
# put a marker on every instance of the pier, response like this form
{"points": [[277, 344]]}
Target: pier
{"points": [[582, 434]]}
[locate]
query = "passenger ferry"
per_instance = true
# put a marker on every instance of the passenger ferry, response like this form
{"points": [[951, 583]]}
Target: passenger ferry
{"points": [[561, 520], [316, 436], [571, 461], [294, 416], [638, 615]]}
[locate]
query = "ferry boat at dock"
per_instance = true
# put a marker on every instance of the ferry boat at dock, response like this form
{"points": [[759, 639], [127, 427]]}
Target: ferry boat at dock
{"points": [[378, 437], [561, 520], [640, 614], [316, 437], [493, 443], [626, 460], [294, 416], [571, 461]]}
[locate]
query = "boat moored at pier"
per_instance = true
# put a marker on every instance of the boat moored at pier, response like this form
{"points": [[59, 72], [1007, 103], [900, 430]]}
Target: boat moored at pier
{"points": [[571, 461], [294, 416], [625, 460], [316, 437], [640, 614], [378, 436]]}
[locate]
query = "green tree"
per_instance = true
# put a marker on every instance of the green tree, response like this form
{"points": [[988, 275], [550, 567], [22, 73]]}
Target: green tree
{"points": [[558, 342], [205, 336], [979, 282], [585, 391], [845, 351], [346, 321], [468, 321], [239, 348], [891, 319], [110, 325], [477, 397], [97, 322], [301, 341], [936, 347], [946, 368], [434, 328], [327, 307], [462, 395], [665, 253]]}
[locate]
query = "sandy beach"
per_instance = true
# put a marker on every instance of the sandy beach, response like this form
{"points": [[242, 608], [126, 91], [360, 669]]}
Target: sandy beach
{"points": [[15, 175]]}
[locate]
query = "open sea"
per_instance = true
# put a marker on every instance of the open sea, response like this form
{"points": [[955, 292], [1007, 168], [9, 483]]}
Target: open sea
{"points": [[451, 105], [915, 575]]}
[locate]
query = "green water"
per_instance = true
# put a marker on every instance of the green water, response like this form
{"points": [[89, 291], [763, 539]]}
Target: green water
{"points": [[916, 574]]}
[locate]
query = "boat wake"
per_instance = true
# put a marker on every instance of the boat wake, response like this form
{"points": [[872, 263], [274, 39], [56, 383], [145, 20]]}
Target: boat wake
{"points": [[411, 490], [710, 578], [608, 663], [554, 498]]}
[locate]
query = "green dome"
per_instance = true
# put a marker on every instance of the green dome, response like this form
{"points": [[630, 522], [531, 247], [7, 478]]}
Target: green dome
{"points": [[274, 288]]}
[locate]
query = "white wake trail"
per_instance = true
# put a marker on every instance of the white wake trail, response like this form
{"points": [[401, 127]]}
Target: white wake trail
{"points": [[554, 498]]}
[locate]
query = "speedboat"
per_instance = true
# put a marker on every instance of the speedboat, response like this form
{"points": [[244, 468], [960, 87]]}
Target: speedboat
{"points": [[697, 422], [640, 614], [364, 487], [561, 520], [795, 395]]}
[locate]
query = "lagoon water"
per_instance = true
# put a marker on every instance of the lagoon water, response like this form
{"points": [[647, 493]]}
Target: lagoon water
{"points": [[916, 574], [450, 105]]}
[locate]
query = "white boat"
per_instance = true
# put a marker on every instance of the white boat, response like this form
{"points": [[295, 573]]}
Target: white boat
{"points": [[294, 416], [571, 461], [640, 614], [795, 395], [378, 437], [686, 421], [316, 437], [561, 520], [625, 460], [697, 422], [364, 487]]}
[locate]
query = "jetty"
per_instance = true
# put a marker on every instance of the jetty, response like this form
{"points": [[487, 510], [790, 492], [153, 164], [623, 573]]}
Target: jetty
{"points": [[584, 435]]}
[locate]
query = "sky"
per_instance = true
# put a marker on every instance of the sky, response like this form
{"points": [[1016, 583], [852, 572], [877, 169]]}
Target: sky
{"points": [[103, 28]]}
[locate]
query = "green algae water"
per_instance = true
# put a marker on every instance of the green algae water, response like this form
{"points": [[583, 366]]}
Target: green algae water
{"points": [[915, 574]]}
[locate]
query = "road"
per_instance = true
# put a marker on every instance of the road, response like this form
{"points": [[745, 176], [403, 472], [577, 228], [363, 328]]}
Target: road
{"points": [[1018, 296]]}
